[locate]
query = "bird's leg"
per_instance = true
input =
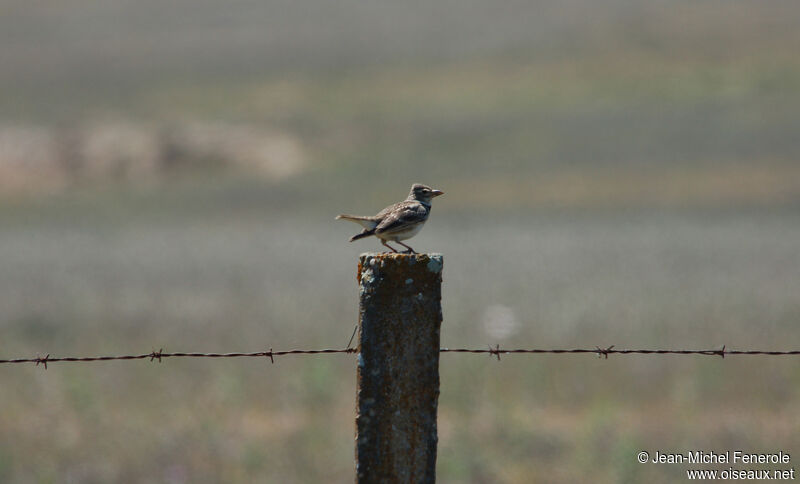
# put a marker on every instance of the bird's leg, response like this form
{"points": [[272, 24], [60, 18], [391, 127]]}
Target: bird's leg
{"points": [[389, 246], [409, 251]]}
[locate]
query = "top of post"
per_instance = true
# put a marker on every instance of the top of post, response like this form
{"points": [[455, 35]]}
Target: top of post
{"points": [[433, 261]]}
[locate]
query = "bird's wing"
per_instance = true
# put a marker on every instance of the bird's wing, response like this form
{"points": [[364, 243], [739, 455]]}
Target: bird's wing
{"points": [[399, 216]]}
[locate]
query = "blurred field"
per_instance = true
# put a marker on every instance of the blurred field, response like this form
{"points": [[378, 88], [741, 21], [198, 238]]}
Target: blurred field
{"points": [[616, 172]]}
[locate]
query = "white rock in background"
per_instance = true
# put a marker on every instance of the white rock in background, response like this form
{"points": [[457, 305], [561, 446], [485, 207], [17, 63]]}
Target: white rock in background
{"points": [[273, 154], [118, 150], [36, 159], [30, 160]]}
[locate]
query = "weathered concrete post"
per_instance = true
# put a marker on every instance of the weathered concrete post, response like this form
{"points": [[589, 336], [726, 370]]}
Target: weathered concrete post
{"points": [[400, 315]]}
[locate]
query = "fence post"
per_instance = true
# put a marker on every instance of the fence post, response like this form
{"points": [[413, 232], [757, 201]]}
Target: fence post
{"points": [[400, 315]]}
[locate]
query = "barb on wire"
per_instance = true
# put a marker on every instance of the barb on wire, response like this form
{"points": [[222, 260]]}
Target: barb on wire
{"points": [[42, 360], [604, 352], [495, 351]]}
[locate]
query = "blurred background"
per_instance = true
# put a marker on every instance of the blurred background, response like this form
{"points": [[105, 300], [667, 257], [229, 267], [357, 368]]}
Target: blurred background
{"points": [[615, 172]]}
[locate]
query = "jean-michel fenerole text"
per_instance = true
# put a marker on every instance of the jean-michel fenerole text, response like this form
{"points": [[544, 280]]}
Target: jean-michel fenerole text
{"points": [[727, 457]]}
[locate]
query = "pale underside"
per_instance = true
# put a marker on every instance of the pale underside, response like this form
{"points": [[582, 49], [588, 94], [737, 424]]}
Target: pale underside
{"points": [[401, 234]]}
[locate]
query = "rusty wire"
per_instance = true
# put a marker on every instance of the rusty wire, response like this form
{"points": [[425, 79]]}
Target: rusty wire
{"points": [[495, 351]]}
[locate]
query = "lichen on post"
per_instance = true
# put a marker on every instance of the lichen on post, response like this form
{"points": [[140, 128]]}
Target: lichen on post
{"points": [[400, 317]]}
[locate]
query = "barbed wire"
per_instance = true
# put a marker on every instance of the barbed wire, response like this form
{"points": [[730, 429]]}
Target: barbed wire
{"points": [[495, 351], [604, 352], [160, 354]]}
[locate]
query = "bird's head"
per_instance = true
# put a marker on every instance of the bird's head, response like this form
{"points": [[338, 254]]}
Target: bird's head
{"points": [[423, 193]]}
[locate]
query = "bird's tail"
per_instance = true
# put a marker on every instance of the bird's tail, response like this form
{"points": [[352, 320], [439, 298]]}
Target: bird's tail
{"points": [[368, 223], [364, 233]]}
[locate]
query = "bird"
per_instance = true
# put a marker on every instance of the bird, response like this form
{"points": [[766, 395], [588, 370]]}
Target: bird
{"points": [[399, 221]]}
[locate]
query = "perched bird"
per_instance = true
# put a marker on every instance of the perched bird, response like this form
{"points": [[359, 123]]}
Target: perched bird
{"points": [[400, 221]]}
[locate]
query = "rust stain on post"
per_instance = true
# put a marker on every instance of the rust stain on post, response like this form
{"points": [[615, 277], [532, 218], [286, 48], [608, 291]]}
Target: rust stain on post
{"points": [[400, 315]]}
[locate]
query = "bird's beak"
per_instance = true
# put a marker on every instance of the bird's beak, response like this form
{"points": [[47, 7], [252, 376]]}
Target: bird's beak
{"points": [[436, 193]]}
